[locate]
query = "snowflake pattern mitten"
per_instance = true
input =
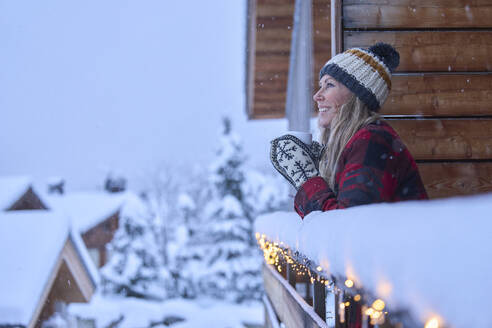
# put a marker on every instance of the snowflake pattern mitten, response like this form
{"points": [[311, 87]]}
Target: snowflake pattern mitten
{"points": [[293, 159], [317, 150]]}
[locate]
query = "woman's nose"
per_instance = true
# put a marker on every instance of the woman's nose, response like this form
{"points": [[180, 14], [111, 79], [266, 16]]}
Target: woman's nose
{"points": [[317, 96]]}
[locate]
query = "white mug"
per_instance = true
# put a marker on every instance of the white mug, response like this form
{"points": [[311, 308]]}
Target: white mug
{"points": [[305, 137]]}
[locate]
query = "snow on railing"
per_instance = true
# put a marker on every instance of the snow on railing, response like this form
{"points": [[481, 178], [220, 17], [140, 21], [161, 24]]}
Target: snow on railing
{"points": [[432, 258]]}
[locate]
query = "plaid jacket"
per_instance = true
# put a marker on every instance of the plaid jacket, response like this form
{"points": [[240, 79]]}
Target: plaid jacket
{"points": [[375, 166]]}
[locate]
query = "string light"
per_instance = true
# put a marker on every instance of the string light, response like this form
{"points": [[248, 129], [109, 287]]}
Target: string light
{"points": [[378, 305], [278, 256], [432, 323]]}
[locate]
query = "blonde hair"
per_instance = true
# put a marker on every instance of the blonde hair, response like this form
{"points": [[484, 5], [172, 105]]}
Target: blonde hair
{"points": [[351, 116]]}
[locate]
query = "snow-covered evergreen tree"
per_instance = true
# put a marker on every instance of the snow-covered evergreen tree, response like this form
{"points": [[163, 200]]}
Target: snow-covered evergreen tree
{"points": [[136, 266], [219, 259]]}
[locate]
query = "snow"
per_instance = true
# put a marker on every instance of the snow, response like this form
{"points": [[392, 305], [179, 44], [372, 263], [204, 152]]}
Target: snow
{"points": [[89, 208], [432, 257], [185, 201], [37, 238], [140, 313], [30, 243], [11, 189], [84, 255]]}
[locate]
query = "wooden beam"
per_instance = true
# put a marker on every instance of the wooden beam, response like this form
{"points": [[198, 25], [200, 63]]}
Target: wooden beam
{"points": [[432, 51], [460, 94], [456, 179], [250, 57], [336, 27], [446, 139], [299, 103], [291, 309], [411, 14]]}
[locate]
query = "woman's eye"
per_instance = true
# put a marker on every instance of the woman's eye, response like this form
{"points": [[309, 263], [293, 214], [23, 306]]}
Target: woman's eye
{"points": [[329, 85]]}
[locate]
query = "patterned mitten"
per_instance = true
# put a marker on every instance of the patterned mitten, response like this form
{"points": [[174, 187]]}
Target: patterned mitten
{"points": [[293, 159], [317, 150]]}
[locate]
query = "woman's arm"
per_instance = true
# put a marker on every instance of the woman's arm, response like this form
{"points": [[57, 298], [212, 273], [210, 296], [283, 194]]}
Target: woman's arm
{"points": [[371, 166]]}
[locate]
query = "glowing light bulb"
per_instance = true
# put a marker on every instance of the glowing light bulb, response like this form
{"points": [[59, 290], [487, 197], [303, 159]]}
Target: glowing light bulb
{"points": [[375, 314], [347, 303], [349, 283], [327, 282], [257, 235], [378, 305], [432, 323], [319, 268], [357, 297]]}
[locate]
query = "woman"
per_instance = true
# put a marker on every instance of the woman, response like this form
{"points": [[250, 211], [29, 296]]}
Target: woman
{"points": [[364, 160]]}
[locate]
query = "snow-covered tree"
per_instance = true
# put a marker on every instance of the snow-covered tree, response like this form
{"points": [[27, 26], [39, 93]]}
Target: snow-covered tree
{"points": [[219, 259], [195, 235], [136, 265]]}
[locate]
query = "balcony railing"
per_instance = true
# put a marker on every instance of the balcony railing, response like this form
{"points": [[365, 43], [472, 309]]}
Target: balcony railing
{"points": [[410, 264]]}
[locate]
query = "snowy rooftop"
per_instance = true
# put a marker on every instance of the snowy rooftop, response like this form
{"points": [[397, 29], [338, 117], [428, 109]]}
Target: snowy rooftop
{"points": [[432, 257], [88, 209], [30, 243], [11, 189]]}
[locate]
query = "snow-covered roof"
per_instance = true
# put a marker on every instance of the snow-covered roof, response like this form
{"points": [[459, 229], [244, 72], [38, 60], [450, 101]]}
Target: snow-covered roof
{"points": [[88, 209], [432, 257], [11, 189], [30, 244]]}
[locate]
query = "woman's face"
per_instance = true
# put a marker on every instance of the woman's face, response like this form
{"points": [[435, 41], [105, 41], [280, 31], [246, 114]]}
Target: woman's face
{"points": [[330, 97]]}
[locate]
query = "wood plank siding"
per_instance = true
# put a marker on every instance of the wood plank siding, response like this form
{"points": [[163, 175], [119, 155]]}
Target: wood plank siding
{"points": [[456, 179], [412, 14], [440, 94], [431, 51], [441, 100], [270, 25], [441, 139]]}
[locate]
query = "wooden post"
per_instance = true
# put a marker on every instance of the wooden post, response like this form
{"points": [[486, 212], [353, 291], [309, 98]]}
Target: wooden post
{"points": [[319, 299], [309, 299], [338, 324], [336, 27], [298, 106], [250, 50], [291, 275]]}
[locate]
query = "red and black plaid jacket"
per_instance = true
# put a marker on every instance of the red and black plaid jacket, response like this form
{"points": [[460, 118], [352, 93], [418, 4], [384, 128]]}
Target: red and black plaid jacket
{"points": [[375, 166]]}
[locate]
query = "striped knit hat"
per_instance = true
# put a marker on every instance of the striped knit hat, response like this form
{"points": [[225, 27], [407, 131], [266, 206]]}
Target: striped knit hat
{"points": [[365, 72]]}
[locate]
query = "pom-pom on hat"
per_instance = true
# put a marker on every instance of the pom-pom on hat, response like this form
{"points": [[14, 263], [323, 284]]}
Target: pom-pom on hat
{"points": [[365, 72]]}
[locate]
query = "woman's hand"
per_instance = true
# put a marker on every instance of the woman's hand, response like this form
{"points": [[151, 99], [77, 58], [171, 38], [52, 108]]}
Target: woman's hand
{"points": [[293, 159]]}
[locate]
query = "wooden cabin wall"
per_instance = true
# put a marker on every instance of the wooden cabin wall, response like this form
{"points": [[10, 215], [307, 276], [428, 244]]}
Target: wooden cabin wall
{"points": [[28, 201], [269, 40], [441, 100], [102, 234]]}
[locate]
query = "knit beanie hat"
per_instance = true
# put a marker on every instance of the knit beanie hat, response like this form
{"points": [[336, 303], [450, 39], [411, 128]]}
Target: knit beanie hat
{"points": [[365, 72]]}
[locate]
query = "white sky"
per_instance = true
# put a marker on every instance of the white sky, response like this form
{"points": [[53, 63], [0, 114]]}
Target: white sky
{"points": [[92, 86]]}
